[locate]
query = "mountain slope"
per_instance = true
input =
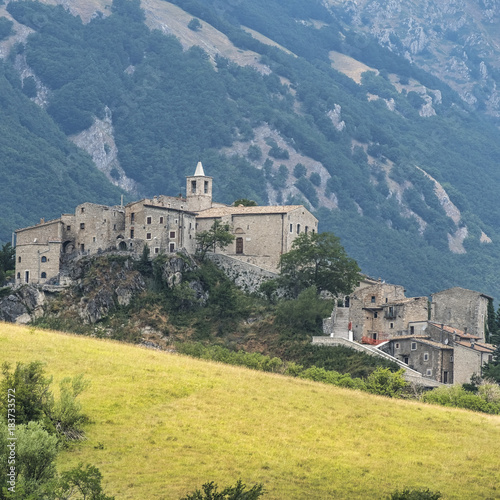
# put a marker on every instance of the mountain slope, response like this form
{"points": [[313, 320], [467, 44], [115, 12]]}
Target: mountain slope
{"points": [[164, 424], [394, 161]]}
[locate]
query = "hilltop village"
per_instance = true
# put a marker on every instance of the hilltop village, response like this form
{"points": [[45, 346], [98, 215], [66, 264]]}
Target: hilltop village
{"points": [[437, 342], [441, 341], [165, 224]]}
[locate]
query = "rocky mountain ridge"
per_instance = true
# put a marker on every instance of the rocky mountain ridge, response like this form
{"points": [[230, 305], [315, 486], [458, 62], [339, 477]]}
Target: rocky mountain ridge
{"points": [[456, 40]]}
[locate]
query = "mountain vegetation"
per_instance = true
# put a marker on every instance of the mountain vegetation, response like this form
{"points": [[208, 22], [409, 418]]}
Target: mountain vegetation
{"points": [[397, 165]]}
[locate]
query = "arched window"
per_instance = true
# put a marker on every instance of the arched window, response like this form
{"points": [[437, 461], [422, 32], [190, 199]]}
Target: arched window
{"points": [[44, 259], [44, 275]]}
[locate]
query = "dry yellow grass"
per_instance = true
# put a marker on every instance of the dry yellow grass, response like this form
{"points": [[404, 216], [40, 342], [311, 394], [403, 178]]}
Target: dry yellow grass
{"points": [[164, 424], [349, 66]]}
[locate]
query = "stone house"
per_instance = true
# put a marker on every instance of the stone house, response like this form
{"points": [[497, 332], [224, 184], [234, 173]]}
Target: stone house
{"points": [[164, 224], [439, 351], [163, 228], [380, 311], [432, 359], [461, 308]]}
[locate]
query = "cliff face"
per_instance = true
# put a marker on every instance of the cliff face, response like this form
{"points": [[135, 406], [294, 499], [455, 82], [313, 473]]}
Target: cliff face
{"points": [[456, 40]]}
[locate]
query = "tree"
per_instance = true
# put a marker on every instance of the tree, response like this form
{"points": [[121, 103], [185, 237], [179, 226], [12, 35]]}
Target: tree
{"points": [[84, 481], [7, 263], [245, 202], [34, 400], [318, 259], [194, 24], [218, 236], [491, 324]]}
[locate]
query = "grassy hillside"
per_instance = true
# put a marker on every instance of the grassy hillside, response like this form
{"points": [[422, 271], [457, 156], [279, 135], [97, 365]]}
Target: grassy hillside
{"points": [[164, 424]]}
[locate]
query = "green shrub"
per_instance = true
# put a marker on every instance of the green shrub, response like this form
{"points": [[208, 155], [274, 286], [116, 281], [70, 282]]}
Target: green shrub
{"points": [[418, 494], [456, 396], [386, 383], [236, 492]]}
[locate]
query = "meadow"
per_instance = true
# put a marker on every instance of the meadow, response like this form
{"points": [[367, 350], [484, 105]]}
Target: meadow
{"points": [[163, 424]]}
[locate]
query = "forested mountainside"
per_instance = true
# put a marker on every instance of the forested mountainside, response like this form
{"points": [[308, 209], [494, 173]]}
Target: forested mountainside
{"points": [[282, 101]]}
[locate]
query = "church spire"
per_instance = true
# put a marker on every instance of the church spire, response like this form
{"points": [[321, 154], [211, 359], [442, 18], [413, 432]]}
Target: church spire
{"points": [[199, 170]]}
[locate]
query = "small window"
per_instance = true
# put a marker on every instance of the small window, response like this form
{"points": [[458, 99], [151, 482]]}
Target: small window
{"points": [[313, 231], [131, 235], [193, 186], [397, 345], [172, 247], [68, 228], [157, 250], [205, 188], [451, 358], [375, 314], [392, 325], [413, 346], [114, 227], [148, 220], [172, 234], [148, 236], [18, 276], [82, 247], [298, 228], [43, 275], [373, 299], [19, 259], [412, 330], [291, 228], [44, 259], [161, 220], [132, 217], [82, 210], [426, 356], [386, 300], [176, 221], [429, 372], [306, 229], [93, 239], [82, 225]]}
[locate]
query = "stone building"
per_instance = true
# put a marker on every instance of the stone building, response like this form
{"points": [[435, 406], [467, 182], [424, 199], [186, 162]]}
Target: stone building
{"points": [[164, 224], [444, 353], [262, 234], [461, 308], [432, 359], [380, 311]]}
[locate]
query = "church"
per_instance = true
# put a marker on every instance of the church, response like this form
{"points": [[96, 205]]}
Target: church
{"points": [[166, 224]]}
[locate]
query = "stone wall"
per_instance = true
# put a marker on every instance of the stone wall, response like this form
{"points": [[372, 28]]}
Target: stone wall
{"points": [[460, 308], [466, 362], [246, 276], [37, 252]]}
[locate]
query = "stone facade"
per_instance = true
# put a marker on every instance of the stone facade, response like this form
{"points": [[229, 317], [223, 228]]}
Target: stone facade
{"points": [[165, 224], [431, 359], [262, 234], [461, 308], [447, 354], [380, 311]]}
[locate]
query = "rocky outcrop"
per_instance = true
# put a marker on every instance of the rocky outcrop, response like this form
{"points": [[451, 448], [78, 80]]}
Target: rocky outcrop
{"points": [[22, 305], [173, 272], [102, 284]]}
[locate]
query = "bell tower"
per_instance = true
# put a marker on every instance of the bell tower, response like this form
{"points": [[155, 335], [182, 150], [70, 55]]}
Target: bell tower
{"points": [[199, 190]]}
